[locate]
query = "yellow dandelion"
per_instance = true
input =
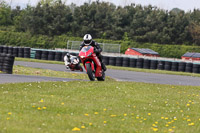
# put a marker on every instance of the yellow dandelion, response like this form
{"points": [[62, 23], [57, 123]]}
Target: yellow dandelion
{"points": [[113, 115], [156, 122], [134, 106], [162, 117], [155, 129], [145, 119], [188, 120], [8, 118], [9, 113], [125, 114], [165, 102], [169, 122], [123, 119], [76, 129], [149, 114], [33, 106], [181, 111], [90, 124], [166, 125], [82, 126], [86, 114], [137, 117], [199, 119], [173, 127], [192, 102], [187, 116], [96, 113], [153, 125], [175, 118], [170, 130], [104, 122], [41, 100], [191, 124], [188, 104], [105, 109], [166, 118], [44, 107], [39, 108], [62, 103], [172, 121]]}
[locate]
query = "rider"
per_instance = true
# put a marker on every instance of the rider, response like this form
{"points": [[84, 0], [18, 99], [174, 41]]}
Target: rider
{"points": [[87, 40], [67, 60]]}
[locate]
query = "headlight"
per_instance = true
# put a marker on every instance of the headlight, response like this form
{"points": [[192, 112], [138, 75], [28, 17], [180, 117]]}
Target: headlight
{"points": [[82, 56]]}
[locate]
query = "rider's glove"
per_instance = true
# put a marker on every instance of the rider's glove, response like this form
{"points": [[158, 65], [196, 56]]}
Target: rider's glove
{"points": [[96, 51]]}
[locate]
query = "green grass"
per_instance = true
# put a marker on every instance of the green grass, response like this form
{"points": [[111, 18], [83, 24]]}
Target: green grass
{"points": [[94, 107], [50, 73], [120, 68]]}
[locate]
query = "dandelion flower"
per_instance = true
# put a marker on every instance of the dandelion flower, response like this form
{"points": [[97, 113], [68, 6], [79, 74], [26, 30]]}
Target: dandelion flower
{"points": [[105, 109], [104, 122], [90, 124], [162, 117], [149, 114], [96, 113], [155, 129], [82, 126], [41, 100], [39, 108], [113, 115], [166, 125], [33, 106], [44, 107], [9, 113], [156, 122], [76, 129], [188, 104], [170, 130], [166, 118], [145, 119], [86, 114], [8, 118], [125, 114], [191, 124], [62, 103]]}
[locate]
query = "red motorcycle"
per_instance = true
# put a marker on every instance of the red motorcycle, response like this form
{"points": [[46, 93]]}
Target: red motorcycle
{"points": [[91, 63]]}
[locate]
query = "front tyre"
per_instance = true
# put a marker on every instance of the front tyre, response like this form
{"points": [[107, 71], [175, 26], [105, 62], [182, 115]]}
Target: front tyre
{"points": [[90, 73], [102, 78]]}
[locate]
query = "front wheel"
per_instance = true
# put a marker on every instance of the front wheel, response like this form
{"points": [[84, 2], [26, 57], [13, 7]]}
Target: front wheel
{"points": [[90, 73]]}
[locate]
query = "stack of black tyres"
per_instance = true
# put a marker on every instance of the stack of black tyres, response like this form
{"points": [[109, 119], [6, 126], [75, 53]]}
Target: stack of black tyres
{"points": [[153, 64], [27, 52], [21, 52], [161, 65], [2, 56], [146, 64], [106, 60], [119, 61], [15, 51], [5, 49], [38, 54], [10, 50], [132, 62], [181, 66], [58, 56], [112, 61], [8, 62], [196, 68], [140, 62], [125, 62], [174, 66], [188, 67], [44, 55], [168, 65], [1, 49], [51, 55]]}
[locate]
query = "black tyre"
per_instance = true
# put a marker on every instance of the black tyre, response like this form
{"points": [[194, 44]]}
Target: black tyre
{"points": [[132, 62], [125, 62], [153, 64], [161, 65], [112, 61], [140, 63], [168, 65], [119, 61], [181, 66], [146, 64], [174, 66], [90, 73], [58, 56], [196, 68], [106, 60], [189, 67], [103, 76]]}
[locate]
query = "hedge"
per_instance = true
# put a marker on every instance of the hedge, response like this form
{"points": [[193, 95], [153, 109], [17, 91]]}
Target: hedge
{"points": [[42, 41]]}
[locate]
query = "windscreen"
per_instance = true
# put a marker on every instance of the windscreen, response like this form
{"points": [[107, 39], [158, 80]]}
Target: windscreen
{"points": [[86, 48]]}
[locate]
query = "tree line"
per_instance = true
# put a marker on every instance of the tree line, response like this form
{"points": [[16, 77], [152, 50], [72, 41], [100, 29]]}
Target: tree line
{"points": [[105, 21]]}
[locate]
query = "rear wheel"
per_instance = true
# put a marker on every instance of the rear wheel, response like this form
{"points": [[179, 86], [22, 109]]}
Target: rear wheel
{"points": [[90, 73], [102, 78]]}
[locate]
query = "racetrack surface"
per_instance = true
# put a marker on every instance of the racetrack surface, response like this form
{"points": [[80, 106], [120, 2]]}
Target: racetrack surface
{"points": [[122, 75]]}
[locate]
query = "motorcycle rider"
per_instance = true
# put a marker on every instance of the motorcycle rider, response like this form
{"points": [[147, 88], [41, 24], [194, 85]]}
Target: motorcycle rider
{"points": [[67, 60], [87, 40]]}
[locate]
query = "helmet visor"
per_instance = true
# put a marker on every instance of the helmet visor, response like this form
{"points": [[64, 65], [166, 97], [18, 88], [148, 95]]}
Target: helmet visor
{"points": [[87, 41]]}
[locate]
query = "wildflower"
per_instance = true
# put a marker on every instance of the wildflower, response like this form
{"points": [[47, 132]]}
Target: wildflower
{"points": [[96, 113], [188, 104], [149, 114], [175, 118], [134, 106], [173, 127], [162, 117], [145, 119], [86, 114], [76, 129], [8, 118], [191, 124], [153, 125], [41, 100], [166, 125], [181, 111], [33, 106], [90, 124], [188, 120], [9, 113], [155, 129], [166, 118], [113, 115], [156, 122], [82, 126], [62, 103], [125, 114], [44, 107], [104, 109], [104, 122], [170, 130], [39, 108]]}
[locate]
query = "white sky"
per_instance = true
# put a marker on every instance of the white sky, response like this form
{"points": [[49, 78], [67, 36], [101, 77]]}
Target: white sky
{"points": [[164, 4]]}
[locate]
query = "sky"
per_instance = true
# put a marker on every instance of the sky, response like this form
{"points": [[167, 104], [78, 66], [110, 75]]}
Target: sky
{"points": [[185, 5]]}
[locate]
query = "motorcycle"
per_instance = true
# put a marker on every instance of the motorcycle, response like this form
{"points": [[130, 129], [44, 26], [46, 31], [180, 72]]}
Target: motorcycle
{"points": [[73, 64], [91, 63]]}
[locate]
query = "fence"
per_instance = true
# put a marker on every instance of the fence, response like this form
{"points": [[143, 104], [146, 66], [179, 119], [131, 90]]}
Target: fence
{"points": [[106, 47]]}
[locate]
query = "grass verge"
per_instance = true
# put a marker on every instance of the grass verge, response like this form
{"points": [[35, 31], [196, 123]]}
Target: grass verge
{"points": [[112, 107], [50, 73]]}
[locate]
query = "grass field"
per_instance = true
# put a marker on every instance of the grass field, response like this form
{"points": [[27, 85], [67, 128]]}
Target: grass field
{"points": [[98, 107]]}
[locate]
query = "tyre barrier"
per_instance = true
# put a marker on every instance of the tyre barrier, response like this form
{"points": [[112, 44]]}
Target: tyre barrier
{"points": [[196, 68], [153, 64], [15, 51], [1, 49], [146, 64], [132, 62], [5, 49], [44, 55], [161, 65], [119, 61], [181, 66], [112, 61], [38, 54], [51, 55], [21, 52], [168, 65], [126, 62], [27, 52], [58, 56], [6, 63], [188, 67], [174, 66], [140, 63]]}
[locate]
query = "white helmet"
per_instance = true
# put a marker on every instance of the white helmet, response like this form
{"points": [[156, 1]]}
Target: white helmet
{"points": [[87, 39]]}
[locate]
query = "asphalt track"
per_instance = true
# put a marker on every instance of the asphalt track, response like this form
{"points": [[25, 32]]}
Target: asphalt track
{"points": [[120, 75]]}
